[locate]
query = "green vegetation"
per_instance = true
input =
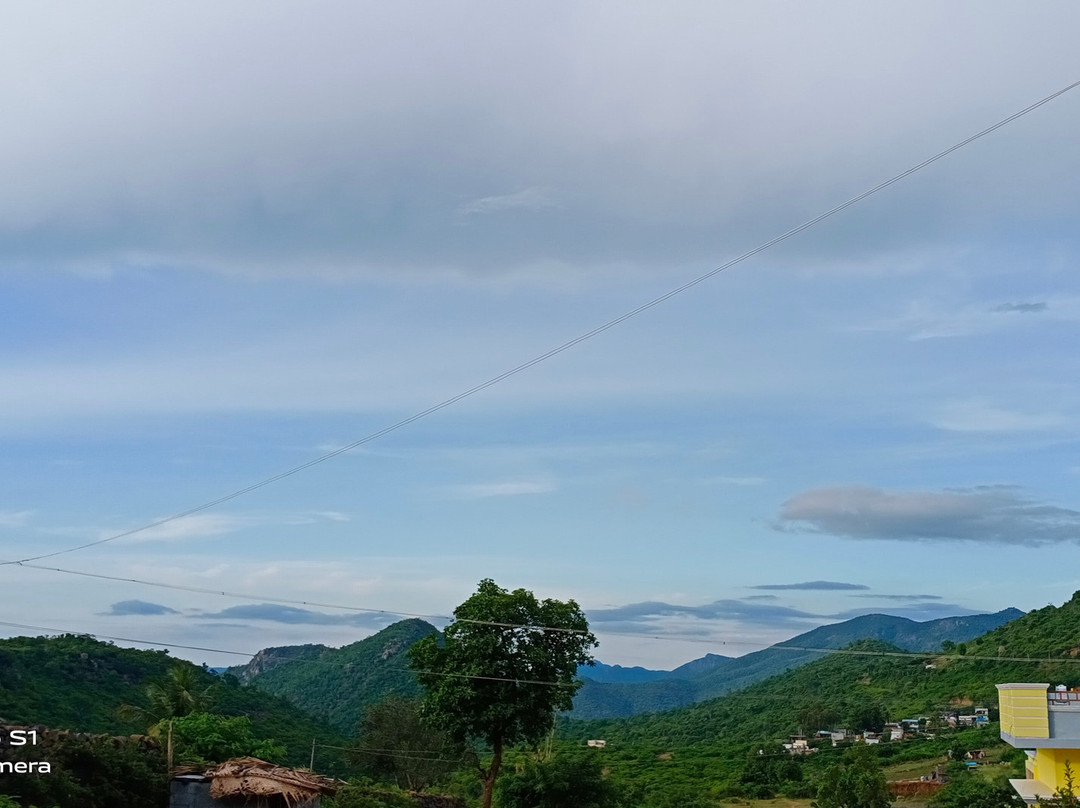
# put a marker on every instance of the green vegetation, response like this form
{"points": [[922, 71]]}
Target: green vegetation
{"points": [[855, 782], [559, 781], [340, 683], [90, 772], [396, 745], [862, 688], [182, 691], [75, 682], [966, 790], [698, 756], [202, 739], [516, 642], [600, 700]]}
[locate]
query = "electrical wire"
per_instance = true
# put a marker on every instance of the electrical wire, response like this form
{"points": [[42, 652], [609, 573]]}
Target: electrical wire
{"points": [[294, 602], [783, 645], [840, 651], [558, 349], [480, 677]]}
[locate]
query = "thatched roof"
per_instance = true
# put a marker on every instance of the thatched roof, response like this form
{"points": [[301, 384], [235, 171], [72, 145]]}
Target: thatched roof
{"points": [[251, 777]]}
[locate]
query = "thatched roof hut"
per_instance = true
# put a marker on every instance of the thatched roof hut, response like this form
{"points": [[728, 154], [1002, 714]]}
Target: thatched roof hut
{"points": [[265, 785]]}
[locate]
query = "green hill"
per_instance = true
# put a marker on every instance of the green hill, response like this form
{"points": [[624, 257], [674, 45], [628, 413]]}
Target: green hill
{"points": [[848, 685], [339, 683], [78, 683], [618, 700]]}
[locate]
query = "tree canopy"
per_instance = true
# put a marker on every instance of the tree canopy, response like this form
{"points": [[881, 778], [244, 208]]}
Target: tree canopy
{"points": [[858, 782], [505, 666]]}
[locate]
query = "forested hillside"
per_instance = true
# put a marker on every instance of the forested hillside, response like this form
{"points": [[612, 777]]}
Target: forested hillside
{"points": [[599, 700], [75, 682], [339, 683], [844, 688]]}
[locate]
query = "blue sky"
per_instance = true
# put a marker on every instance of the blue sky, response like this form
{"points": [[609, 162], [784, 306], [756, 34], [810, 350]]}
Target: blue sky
{"points": [[234, 239]]}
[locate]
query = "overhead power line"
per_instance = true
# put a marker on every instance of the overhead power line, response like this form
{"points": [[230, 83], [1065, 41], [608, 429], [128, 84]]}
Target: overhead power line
{"points": [[783, 645], [248, 654], [524, 681], [600, 329], [293, 602]]}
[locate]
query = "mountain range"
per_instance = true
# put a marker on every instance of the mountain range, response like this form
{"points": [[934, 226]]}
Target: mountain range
{"points": [[337, 684], [700, 680], [1040, 646]]}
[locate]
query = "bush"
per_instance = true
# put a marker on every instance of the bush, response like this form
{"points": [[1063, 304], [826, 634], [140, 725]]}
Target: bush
{"points": [[967, 791], [203, 738], [364, 794], [560, 781]]}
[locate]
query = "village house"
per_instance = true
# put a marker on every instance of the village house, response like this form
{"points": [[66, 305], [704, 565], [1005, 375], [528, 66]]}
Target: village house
{"points": [[798, 746], [248, 781], [1046, 724], [894, 732]]}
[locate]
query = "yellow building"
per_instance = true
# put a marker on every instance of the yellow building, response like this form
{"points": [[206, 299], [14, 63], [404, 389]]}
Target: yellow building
{"points": [[1045, 723]]}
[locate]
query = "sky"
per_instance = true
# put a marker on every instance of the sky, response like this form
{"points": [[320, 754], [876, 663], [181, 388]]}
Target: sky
{"points": [[236, 238]]}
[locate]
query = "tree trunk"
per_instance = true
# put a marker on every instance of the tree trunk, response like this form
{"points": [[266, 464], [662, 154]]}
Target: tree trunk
{"points": [[492, 773]]}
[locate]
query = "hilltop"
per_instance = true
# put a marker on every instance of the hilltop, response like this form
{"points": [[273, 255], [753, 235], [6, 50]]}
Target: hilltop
{"points": [[339, 683]]}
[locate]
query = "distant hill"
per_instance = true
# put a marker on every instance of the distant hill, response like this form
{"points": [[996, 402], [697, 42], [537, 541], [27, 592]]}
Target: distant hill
{"points": [[845, 684], [700, 666], [338, 683], [614, 674], [705, 681], [75, 682]]}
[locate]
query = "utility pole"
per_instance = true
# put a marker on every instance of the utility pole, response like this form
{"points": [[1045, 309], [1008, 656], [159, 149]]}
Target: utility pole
{"points": [[169, 748], [312, 766]]}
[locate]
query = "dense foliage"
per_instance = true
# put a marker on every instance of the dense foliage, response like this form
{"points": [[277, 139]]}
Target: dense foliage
{"points": [[201, 739], [965, 790], [340, 683], [855, 782], [398, 746], [504, 667], [560, 781], [75, 682], [90, 772]]}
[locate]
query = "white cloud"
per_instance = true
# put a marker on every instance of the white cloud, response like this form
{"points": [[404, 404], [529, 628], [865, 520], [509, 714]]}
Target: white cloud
{"points": [[333, 516], [976, 415], [528, 199], [267, 167], [15, 518], [198, 525], [736, 481], [506, 488]]}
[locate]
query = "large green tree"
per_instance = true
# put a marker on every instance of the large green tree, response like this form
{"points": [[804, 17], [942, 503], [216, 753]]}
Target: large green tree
{"points": [[396, 743], [505, 666], [857, 782]]}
